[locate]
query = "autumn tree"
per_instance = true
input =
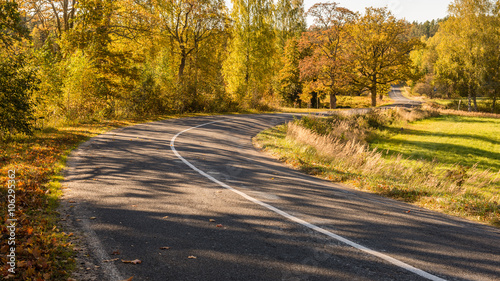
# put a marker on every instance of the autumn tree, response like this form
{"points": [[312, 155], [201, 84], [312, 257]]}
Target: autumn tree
{"points": [[324, 70], [289, 24], [491, 78], [290, 85], [50, 19], [250, 65], [189, 22], [468, 48], [380, 50], [290, 20]]}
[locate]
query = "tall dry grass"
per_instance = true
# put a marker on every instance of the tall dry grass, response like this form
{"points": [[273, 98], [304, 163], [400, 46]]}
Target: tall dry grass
{"points": [[341, 143]]}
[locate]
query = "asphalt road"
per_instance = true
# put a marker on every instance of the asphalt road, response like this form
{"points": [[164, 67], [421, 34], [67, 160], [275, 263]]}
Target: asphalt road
{"points": [[399, 100], [137, 189]]}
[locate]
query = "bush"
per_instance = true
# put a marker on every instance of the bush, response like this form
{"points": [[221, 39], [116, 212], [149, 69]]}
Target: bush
{"points": [[17, 83]]}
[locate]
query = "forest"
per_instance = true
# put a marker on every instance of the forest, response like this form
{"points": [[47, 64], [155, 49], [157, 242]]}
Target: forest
{"points": [[67, 61]]}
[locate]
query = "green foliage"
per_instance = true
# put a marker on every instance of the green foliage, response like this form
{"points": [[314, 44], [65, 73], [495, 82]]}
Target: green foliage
{"points": [[48, 97], [82, 88], [426, 29], [17, 80], [462, 58], [290, 86], [12, 29], [17, 83]]}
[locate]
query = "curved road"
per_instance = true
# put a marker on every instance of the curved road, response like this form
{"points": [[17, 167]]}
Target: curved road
{"points": [[229, 212]]}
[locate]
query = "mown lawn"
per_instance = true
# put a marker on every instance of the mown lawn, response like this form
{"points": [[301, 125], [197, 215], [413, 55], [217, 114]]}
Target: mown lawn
{"points": [[449, 140]]}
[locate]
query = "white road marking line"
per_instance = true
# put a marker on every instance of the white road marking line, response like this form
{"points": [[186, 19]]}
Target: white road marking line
{"points": [[300, 221]]}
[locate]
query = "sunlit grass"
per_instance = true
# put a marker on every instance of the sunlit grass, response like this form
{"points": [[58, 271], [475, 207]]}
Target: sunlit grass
{"points": [[449, 140], [430, 163]]}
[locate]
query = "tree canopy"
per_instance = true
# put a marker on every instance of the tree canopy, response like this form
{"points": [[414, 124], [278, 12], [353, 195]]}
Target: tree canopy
{"points": [[94, 59]]}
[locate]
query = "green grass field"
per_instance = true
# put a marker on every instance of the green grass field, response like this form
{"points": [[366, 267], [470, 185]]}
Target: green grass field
{"points": [[449, 140]]}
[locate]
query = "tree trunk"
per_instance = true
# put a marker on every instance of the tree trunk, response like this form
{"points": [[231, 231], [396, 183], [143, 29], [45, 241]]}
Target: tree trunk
{"points": [[373, 90], [494, 101], [469, 97], [183, 64], [314, 100], [333, 101], [195, 90], [475, 102]]}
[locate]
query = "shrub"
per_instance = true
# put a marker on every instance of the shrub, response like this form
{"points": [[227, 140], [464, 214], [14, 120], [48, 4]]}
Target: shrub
{"points": [[17, 83]]}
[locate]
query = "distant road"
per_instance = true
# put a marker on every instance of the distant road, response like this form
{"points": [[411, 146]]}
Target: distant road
{"points": [[400, 100], [228, 212]]}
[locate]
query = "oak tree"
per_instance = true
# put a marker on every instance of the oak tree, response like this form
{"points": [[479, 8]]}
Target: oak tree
{"points": [[323, 70], [381, 50]]}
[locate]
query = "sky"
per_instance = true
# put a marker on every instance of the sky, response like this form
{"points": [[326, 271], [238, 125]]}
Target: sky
{"points": [[411, 10]]}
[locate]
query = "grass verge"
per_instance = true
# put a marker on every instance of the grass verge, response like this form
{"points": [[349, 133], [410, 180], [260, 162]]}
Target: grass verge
{"points": [[445, 163]]}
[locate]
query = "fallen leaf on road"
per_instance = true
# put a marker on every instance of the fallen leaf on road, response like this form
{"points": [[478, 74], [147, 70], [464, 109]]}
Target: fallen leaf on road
{"points": [[92, 218], [133, 262], [408, 211], [192, 257], [165, 217], [219, 225], [164, 248], [130, 279], [116, 252], [72, 201], [211, 220], [111, 260]]}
